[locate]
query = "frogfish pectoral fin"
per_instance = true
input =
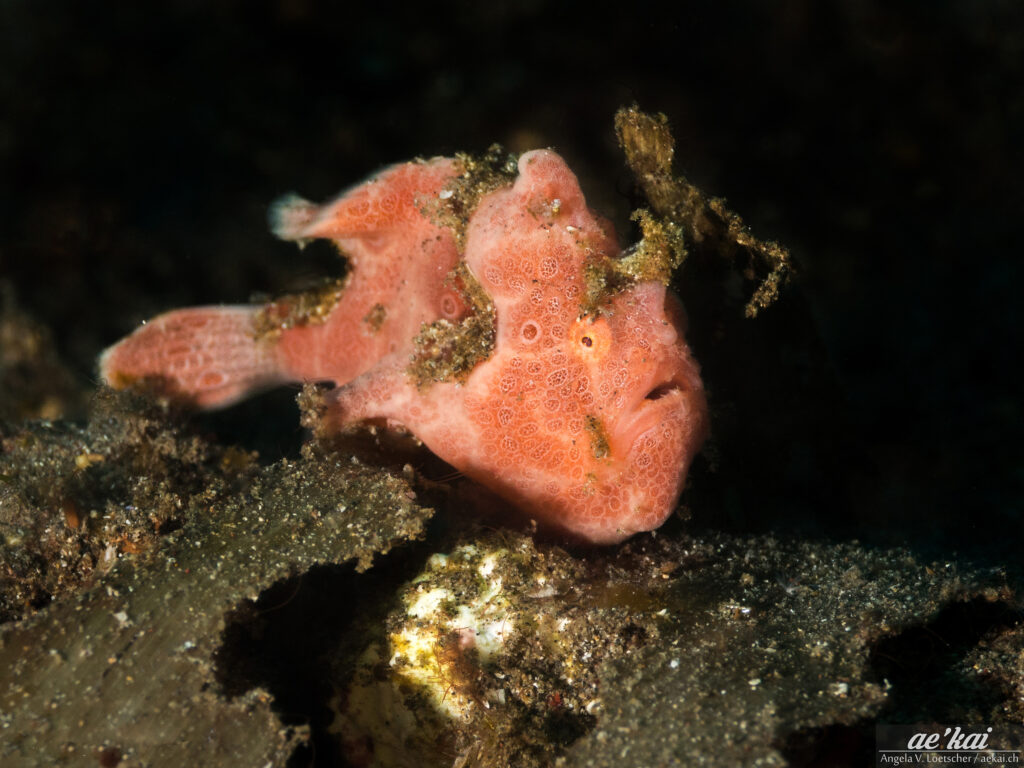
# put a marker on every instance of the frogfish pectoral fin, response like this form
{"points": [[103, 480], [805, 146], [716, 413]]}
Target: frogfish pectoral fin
{"points": [[204, 357], [382, 394]]}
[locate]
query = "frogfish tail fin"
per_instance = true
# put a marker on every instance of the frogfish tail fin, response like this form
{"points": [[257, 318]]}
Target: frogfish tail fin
{"points": [[203, 357]]}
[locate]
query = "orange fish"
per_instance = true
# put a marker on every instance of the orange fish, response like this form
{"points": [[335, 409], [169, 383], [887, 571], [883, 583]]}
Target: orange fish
{"points": [[585, 420], [586, 423]]}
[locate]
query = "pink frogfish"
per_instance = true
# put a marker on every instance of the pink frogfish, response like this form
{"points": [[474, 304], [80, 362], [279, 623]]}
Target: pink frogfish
{"points": [[585, 417]]}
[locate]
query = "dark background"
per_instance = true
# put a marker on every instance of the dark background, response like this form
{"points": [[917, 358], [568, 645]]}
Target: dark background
{"points": [[140, 144]]}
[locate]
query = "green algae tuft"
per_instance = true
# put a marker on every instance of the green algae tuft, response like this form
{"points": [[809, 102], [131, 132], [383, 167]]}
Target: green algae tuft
{"points": [[683, 209]]}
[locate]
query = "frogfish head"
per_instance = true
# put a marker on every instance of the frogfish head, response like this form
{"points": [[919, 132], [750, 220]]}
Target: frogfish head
{"points": [[649, 400], [589, 419]]}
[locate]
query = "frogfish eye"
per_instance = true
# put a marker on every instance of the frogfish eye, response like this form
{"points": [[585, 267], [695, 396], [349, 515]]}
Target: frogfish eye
{"points": [[591, 339]]}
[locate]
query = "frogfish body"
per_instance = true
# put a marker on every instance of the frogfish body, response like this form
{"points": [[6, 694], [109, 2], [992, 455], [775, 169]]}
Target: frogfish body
{"points": [[586, 419]]}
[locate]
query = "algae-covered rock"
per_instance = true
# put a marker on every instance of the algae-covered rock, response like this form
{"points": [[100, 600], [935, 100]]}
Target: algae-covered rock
{"points": [[74, 497], [121, 670], [710, 650], [769, 644], [484, 659], [130, 544], [34, 382]]}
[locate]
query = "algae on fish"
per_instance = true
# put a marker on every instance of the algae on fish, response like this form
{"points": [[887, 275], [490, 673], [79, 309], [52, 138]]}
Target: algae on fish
{"points": [[449, 350], [293, 310], [681, 209], [478, 176]]}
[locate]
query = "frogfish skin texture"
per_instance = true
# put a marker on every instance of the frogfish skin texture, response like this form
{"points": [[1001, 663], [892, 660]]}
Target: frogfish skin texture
{"points": [[587, 421]]}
